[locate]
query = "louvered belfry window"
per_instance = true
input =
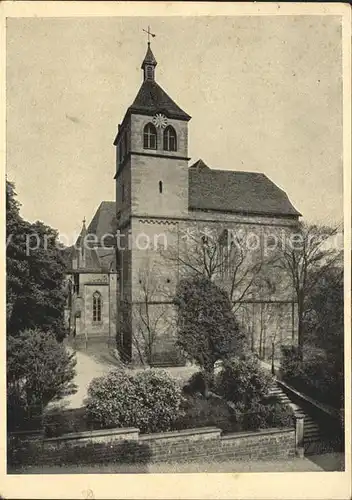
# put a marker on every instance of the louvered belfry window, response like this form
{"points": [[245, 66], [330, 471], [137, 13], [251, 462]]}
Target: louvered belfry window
{"points": [[96, 307], [170, 139], [149, 137]]}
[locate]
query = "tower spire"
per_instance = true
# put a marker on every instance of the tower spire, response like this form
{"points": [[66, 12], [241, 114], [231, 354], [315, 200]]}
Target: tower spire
{"points": [[149, 62]]}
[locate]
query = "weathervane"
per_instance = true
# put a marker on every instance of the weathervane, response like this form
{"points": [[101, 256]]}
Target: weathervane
{"points": [[149, 33]]}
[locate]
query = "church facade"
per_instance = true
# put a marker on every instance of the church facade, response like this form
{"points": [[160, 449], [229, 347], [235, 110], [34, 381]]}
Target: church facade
{"points": [[92, 281], [172, 219]]}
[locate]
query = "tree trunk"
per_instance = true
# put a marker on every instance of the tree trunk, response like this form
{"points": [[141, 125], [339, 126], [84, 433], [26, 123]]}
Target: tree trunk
{"points": [[300, 327], [208, 378]]}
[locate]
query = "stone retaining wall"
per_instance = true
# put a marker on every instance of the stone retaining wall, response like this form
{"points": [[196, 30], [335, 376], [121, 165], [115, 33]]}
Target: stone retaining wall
{"points": [[205, 443]]}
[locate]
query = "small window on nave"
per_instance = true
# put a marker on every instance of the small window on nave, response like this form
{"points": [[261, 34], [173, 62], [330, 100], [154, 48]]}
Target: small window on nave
{"points": [[160, 187], [170, 139], [149, 137], [97, 307]]}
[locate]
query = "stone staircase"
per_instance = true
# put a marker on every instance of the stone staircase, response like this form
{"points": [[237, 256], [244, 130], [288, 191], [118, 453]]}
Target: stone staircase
{"points": [[312, 435]]}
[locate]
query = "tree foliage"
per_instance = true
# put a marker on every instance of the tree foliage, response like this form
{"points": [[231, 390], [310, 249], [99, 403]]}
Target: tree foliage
{"points": [[207, 328], [35, 276], [321, 372], [324, 318], [39, 370], [243, 381], [306, 256]]}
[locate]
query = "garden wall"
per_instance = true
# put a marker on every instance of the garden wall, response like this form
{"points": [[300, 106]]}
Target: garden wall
{"points": [[196, 444], [121, 445]]}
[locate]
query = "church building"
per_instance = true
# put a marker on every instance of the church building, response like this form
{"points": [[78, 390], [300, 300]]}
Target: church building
{"points": [[92, 281], [161, 203]]}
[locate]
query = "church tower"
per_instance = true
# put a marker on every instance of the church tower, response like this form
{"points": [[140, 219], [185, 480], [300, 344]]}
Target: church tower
{"points": [[152, 152], [151, 175]]}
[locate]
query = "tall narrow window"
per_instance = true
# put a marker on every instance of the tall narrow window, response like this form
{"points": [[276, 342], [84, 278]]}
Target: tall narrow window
{"points": [[149, 136], [96, 307], [76, 283], [170, 139], [160, 186]]}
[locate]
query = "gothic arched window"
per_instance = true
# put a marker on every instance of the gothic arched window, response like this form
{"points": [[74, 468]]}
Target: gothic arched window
{"points": [[149, 136], [170, 139], [96, 307], [160, 187]]}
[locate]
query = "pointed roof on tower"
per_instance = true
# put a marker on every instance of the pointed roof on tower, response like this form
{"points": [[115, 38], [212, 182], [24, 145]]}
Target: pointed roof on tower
{"points": [[82, 234], [151, 98], [149, 58]]}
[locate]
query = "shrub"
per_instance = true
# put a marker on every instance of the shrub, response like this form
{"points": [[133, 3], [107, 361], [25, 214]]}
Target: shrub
{"points": [[318, 375], [111, 400], [39, 370], [149, 400], [57, 423], [243, 381], [203, 412], [291, 363], [196, 384], [160, 400], [262, 415]]}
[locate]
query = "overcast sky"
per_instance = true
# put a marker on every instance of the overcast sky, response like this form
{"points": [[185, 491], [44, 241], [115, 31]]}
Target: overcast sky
{"points": [[264, 93]]}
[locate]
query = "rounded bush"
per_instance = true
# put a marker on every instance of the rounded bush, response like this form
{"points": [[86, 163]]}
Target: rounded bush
{"points": [[149, 400], [242, 380], [159, 398], [111, 400]]}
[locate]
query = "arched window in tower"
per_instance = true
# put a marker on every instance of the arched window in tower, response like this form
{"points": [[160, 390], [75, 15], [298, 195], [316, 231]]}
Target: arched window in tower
{"points": [[97, 302], [149, 137], [160, 187], [170, 139]]}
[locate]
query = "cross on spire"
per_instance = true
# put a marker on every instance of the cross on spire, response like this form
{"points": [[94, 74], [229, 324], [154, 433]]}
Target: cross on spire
{"points": [[149, 33]]}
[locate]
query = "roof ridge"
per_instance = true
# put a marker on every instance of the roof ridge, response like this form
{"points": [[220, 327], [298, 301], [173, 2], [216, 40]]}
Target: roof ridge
{"points": [[228, 170]]}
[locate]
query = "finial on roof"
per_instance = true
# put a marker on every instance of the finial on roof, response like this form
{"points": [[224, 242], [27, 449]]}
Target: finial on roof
{"points": [[149, 33], [149, 62]]}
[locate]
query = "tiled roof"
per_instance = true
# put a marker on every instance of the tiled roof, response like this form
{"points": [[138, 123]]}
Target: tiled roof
{"points": [[151, 99], [103, 226], [241, 192], [103, 221], [100, 259]]}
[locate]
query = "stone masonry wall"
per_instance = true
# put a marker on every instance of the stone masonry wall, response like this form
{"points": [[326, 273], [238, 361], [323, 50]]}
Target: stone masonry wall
{"points": [[188, 445], [267, 313]]}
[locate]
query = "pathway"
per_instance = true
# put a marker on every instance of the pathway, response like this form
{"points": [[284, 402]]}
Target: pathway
{"points": [[92, 364], [327, 462]]}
